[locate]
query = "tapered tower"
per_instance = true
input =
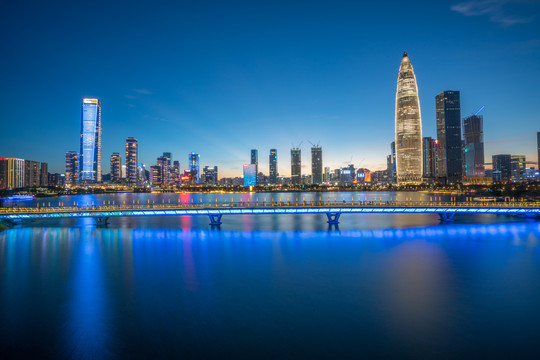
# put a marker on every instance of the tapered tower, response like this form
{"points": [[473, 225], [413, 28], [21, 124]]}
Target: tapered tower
{"points": [[408, 126]]}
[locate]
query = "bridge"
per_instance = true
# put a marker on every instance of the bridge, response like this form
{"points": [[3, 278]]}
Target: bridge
{"points": [[215, 211]]}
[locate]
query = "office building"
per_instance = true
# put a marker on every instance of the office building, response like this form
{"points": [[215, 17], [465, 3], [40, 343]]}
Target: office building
{"points": [[72, 168], [430, 148], [255, 160], [296, 166], [538, 149], [519, 168], [12, 173], [193, 160], [347, 175], [250, 175], [163, 163], [502, 168], [116, 167], [210, 175], [155, 174], [408, 126], [273, 173], [326, 177], [393, 178], [316, 165], [132, 158], [31, 173], [473, 148], [448, 111], [44, 173], [90, 154]]}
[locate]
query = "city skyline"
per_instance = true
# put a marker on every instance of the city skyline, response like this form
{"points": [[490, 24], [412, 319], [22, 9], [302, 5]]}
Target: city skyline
{"points": [[224, 105]]}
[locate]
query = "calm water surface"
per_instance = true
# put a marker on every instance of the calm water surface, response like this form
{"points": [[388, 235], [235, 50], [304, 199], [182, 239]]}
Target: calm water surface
{"points": [[380, 286]]}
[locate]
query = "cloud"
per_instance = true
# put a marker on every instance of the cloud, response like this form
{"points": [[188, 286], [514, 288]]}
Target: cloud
{"points": [[496, 10], [143, 91]]}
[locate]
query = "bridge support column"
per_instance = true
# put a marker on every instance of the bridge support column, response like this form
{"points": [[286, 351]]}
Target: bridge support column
{"points": [[102, 221], [333, 217], [215, 219], [446, 216]]}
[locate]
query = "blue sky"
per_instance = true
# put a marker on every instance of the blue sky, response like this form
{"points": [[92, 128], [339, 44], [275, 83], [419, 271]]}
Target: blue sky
{"points": [[221, 78]]}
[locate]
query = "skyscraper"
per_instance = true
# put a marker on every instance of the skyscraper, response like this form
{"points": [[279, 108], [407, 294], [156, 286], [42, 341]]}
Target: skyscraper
{"points": [[393, 178], [538, 148], [44, 174], [255, 160], [296, 166], [90, 154], [116, 167], [408, 126], [430, 147], [210, 175], [12, 173], [163, 164], [316, 165], [519, 172], [272, 179], [168, 155], [132, 154], [502, 168], [448, 111], [31, 173], [250, 175], [72, 168], [474, 146], [193, 160]]}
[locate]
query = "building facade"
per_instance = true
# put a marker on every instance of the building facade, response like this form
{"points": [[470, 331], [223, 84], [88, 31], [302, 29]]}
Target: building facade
{"points": [[273, 173], [296, 166], [448, 112], [193, 159], [430, 148], [116, 167], [12, 173], [502, 168], [473, 138], [132, 158], [90, 151], [44, 172], [255, 160], [408, 126], [519, 168], [210, 175], [72, 168], [316, 165], [250, 175]]}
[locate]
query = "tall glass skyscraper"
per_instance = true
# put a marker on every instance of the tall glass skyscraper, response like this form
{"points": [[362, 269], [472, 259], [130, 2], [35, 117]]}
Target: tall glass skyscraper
{"points": [[273, 167], [255, 161], [430, 147], [132, 154], [408, 126], [296, 166], [316, 165], [538, 146], [502, 167], [90, 155], [474, 146], [193, 160], [448, 111]]}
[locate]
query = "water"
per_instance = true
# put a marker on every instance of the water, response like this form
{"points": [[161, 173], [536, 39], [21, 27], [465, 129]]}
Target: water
{"points": [[380, 286]]}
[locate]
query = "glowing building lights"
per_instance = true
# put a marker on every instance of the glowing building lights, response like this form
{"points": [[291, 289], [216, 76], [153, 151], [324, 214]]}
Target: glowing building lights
{"points": [[90, 154], [408, 126]]}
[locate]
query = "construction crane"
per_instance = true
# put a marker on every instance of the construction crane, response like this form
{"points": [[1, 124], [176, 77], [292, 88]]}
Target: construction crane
{"points": [[297, 147], [479, 110]]}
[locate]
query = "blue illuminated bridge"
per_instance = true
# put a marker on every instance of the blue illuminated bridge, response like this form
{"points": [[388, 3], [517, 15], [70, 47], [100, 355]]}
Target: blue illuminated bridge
{"points": [[333, 210]]}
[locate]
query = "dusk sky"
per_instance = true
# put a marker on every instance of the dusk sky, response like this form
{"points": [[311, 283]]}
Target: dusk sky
{"points": [[221, 78]]}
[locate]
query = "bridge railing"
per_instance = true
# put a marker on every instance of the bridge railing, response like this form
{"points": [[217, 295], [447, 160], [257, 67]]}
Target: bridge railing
{"points": [[60, 208]]}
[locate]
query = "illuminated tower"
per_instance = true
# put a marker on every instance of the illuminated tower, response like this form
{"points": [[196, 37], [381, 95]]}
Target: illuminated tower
{"points": [[408, 126], [193, 160], [273, 167], [116, 167], [296, 166], [90, 155], [132, 155], [448, 111]]}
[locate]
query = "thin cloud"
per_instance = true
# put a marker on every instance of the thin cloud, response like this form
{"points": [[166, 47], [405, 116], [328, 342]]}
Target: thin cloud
{"points": [[143, 91], [496, 10]]}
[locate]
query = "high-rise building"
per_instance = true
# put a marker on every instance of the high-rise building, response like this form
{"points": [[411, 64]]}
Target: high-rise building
{"points": [[255, 159], [538, 148], [473, 149], [448, 111], [168, 155], [90, 155], [393, 178], [316, 165], [132, 158], [502, 168], [12, 173], [31, 173], [250, 175], [273, 174], [326, 177], [408, 126], [430, 148], [72, 168], [347, 175], [155, 174], [193, 160], [210, 175], [519, 168], [116, 167], [163, 163], [175, 173], [44, 172], [296, 166]]}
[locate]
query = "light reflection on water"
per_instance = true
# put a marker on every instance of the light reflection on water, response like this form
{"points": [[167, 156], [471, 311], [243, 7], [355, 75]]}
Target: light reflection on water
{"points": [[89, 292]]}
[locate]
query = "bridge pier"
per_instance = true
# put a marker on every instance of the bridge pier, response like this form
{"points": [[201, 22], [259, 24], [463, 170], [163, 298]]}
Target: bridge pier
{"points": [[215, 219], [102, 220], [333, 217], [446, 216]]}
